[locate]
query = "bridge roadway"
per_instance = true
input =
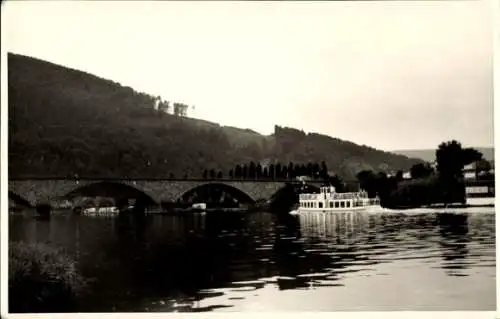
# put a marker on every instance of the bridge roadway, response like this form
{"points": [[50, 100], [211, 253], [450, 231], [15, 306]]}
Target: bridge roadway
{"points": [[35, 191]]}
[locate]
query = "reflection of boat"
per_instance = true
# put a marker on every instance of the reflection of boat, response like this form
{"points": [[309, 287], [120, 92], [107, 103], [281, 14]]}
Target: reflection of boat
{"points": [[328, 200], [199, 207], [100, 211]]}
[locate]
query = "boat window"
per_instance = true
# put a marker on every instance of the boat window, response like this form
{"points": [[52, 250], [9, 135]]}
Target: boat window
{"points": [[331, 204], [348, 204], [320, 205], [337, 204], [342, 204]]}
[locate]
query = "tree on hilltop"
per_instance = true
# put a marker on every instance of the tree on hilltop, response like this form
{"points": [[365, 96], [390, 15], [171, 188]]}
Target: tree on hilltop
{"points": [[271, 172], [451, 159], [258, 171], [251, 170], [238, 172], [244, 171], [278, 171], [421, 170]]}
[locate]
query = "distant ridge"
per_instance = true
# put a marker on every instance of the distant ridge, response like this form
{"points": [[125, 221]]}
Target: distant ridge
{"points": [[64, 122], [429, 155]]}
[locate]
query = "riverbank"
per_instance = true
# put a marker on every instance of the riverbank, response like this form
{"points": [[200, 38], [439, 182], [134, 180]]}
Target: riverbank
{"points": [[42, 278], [447, 210], [478, 202]]}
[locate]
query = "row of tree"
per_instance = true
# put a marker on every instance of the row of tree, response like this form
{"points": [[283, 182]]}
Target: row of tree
{"points": [[178, 109], [273, 171], [482, 170]]}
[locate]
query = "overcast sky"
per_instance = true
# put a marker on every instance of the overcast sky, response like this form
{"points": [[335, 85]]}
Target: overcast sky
{"points": [[392, 75]]}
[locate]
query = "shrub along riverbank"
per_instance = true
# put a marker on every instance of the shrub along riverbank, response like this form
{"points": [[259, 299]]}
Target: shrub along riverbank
{"points": [[428, 186], [43, 279]]}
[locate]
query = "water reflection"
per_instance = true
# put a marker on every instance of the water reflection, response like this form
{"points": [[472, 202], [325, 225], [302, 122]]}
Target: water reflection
{"points": [[221, 260], [454, 230]]}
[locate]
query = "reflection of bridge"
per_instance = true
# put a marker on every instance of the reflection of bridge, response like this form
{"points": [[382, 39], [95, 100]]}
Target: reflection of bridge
{"points": [[42, 191]]}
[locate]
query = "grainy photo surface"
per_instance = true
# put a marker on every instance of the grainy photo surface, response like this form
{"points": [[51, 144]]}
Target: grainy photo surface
{"points": [[250, 156]]}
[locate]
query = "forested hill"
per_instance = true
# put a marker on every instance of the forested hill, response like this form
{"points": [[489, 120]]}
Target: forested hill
{"points": [[64, 122]]}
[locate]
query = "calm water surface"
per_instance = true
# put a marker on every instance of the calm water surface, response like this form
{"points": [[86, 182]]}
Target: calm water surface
{"points": [[258, 262]]}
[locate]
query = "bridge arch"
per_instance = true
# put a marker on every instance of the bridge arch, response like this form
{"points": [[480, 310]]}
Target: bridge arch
{"points": [[287, 196], [215, 191], [297, 188], [109, 189], [19, 199]]}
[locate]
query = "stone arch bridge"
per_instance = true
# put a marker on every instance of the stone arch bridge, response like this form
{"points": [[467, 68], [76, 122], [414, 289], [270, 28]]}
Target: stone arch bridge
{"points": [[40, 191]]}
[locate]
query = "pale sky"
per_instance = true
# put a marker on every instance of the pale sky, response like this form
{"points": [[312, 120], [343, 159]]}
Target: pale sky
{"points": [[392, 75]]}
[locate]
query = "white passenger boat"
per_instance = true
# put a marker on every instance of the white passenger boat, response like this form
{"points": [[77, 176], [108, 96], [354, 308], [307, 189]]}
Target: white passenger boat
{"points": [[328, 200]]}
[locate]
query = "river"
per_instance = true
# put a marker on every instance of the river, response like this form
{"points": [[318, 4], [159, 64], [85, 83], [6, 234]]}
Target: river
{"points": [[258, 262]]}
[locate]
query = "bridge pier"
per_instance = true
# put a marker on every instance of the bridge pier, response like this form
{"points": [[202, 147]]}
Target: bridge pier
{"points": [[140, 206], [43, 210], [121, 203]]}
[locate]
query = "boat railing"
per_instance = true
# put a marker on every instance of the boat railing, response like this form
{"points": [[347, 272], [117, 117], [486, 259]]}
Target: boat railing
{"points": [[310, 196], [345, 196], [330, 196]]}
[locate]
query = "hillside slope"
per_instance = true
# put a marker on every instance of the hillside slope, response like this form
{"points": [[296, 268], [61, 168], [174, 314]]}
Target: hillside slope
{"points": [[430, 155], [64, 122]]}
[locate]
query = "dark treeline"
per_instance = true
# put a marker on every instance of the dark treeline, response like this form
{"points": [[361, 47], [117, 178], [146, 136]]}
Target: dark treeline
{"points": [[279, 171], [428, 185], [67, 123]]}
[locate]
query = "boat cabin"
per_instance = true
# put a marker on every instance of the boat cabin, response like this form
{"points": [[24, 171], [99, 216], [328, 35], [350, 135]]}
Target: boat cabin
{"points": [[329, 199]]}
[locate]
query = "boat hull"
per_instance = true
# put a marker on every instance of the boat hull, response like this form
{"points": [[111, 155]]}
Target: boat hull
{"points": [[303, 210]]}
